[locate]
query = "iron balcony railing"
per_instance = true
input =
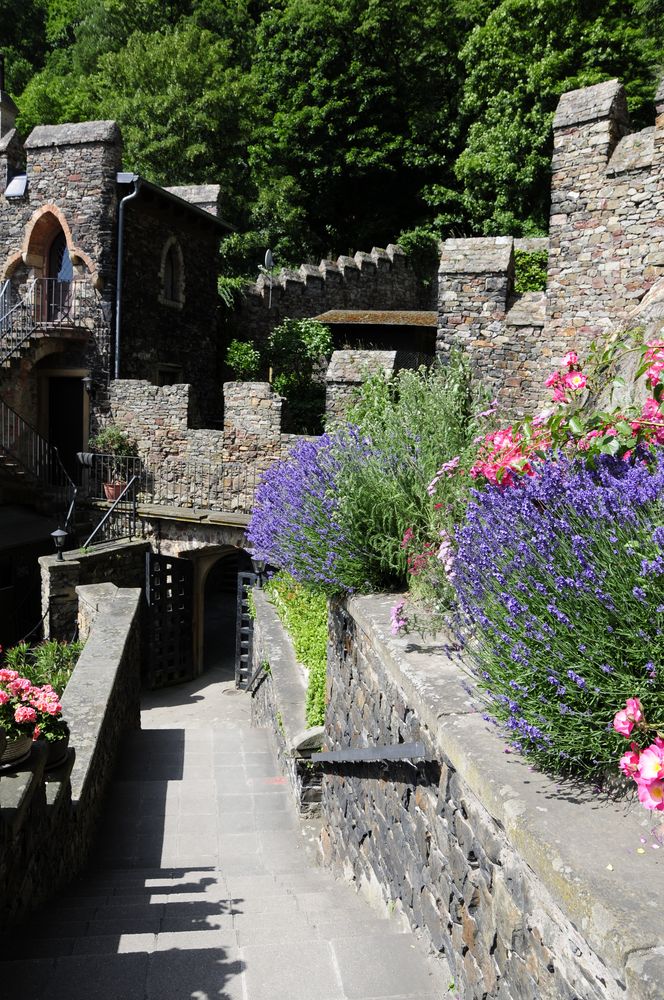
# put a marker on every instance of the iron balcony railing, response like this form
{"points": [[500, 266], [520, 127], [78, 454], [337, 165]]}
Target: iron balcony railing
{"points": [[227, 488], [45, 305], [120, 519], [28, 457]]}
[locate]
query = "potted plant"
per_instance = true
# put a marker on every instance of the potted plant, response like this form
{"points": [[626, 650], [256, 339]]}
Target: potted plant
{"points": [[114, 445], [18, 716]]}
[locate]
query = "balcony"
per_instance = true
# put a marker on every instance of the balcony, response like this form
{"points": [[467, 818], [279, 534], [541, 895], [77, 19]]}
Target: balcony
{"points": [[45, 307]]}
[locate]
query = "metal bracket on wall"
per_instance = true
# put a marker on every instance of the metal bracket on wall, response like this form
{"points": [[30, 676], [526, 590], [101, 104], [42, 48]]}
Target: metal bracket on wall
{"points": [[382, 752]]}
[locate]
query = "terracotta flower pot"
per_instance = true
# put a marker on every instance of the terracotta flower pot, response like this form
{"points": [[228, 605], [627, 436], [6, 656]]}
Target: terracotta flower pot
{"points": [[113, 490]]}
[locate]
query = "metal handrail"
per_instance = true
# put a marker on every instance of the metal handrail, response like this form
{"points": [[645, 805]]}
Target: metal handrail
{"points": [[48, 305], [383, 752], [109, 513], [227, 488]]}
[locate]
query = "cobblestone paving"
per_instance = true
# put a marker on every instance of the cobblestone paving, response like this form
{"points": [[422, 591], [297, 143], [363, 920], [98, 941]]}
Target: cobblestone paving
{"points": [[203, 885]]}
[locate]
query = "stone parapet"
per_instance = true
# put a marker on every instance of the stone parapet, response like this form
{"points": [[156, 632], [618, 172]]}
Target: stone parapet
{"points": [[48, 820], [531, 887], [278, 703]]}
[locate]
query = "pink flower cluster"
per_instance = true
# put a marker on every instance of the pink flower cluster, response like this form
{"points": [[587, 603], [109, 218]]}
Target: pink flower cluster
{"points": [[573, 380], [654, 355], [507, 454], [22, 703], [398, 620], [645, 766]]}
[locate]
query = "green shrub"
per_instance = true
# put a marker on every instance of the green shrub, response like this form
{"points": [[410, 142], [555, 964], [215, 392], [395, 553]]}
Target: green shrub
{"points": [[50, 662], [530, 271], [303, 612], [422, 247], [231, 289], [113, 441], [244, 360], [298, 351]]}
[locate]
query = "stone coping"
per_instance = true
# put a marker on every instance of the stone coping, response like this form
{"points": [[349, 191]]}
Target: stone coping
{"points": [[73, 134], [582, 846], [290, 691], [86, 697]]}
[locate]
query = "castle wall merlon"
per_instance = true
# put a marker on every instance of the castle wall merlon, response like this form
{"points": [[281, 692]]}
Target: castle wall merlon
{"points": [[74, 134], [602, 102], [633, 153], [482, 255]]}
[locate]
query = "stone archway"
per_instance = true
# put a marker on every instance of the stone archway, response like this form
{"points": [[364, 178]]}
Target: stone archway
{"points": [[219, 608]]}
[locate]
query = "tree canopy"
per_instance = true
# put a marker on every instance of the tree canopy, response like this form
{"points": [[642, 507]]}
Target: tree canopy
{"points": [[334, 125]]}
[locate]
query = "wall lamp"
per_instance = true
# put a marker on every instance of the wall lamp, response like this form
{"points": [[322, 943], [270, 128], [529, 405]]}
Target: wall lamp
{"points": [[59, 538]]}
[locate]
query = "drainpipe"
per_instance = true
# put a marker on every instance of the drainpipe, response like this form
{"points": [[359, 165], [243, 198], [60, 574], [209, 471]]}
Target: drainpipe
{"points": [[118, 280]]}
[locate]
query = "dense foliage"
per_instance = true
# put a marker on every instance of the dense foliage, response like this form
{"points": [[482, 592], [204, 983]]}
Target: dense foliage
{"points": [[49, 662], [333, 126], [334, 513], [560, 589], [303, 612]]}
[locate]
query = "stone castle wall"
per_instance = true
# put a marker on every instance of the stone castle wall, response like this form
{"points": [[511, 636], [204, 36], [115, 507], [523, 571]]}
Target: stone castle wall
{"points": [[382, 279], [513, 876], [606, 251]]}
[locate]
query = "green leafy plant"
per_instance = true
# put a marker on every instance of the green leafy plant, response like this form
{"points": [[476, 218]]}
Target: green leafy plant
{"points": [[244, 359], [530, 270], [49, 662], [231, 289], [116, 443], [298, 350], [422, 247], [303, 612]]}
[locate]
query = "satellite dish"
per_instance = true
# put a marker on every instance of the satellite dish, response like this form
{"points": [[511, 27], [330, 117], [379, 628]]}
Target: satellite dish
{"points": [[269, 260]]}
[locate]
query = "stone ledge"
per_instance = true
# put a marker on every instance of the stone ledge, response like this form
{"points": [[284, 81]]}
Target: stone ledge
{"points": [[87, 696], [289, 687], [565, 833], [591, 104]]}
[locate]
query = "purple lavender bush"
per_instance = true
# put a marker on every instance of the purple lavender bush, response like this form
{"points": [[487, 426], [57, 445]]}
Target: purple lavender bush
{"points": [[560, 584], [298, 523]]}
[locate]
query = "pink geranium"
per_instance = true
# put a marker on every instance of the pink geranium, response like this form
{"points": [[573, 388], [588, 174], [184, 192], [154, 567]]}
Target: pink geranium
{"points": [[631, 715], [25, 713], [629, 762], [651, 795]]}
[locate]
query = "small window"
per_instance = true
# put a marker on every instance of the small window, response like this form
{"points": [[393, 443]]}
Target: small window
{"points": [[172, 274], [169, 375]]}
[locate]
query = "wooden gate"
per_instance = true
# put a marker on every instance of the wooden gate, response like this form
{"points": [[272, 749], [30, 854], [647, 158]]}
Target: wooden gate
{"points": [[168, 651], [244, 630]]}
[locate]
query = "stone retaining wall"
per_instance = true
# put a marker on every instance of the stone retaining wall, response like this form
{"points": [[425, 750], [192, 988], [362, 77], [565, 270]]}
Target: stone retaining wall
{"points": [[120, 563], [48, 820], [278, 703], [532, 889]]}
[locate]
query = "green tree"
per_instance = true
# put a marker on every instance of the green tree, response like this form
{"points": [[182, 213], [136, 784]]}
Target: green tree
{"points": [[357, 115], [518, 63]]}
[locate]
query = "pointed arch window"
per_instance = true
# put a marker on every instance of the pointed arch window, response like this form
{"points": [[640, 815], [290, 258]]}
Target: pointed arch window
{"points": [[172, 274]]}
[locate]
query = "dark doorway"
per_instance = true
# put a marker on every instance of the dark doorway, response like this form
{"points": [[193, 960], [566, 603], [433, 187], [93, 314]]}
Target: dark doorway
{"points": [[65, 419], [60, 275], [220, 609]]}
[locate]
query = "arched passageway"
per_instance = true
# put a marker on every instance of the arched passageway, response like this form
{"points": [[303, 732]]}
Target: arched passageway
{"points": [[220, 609]]}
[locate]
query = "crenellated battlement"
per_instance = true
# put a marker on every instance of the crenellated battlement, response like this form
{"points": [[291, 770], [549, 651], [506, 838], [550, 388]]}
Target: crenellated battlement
{"points": [[382, 279]]}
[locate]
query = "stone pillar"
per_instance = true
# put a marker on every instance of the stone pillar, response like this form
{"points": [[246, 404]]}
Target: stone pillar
{"points": [[475, 280], [59, 579], [587, 127], [346, 373]]}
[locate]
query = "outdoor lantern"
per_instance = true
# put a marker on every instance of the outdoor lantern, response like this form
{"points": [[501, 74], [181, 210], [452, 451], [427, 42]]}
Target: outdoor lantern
{"points": [[87, 383], [259, 567], [59, 536]]}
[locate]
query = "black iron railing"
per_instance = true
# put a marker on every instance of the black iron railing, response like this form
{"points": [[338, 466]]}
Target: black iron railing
{"points": [[228, 488], [30, 458], [45, 305], [119, 521]]}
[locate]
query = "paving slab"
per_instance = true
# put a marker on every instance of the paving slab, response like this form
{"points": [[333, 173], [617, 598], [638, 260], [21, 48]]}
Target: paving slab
{"points": [[202, 882]]}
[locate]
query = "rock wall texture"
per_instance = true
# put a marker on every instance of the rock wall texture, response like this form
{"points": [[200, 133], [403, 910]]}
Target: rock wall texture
{"points": [[382, 279], [48, 819], [530, 888], [606, 251], [278, 703]]}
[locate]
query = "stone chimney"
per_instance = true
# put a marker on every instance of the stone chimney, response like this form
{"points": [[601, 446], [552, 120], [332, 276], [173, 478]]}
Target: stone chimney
{"points": [[8, 110]]}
